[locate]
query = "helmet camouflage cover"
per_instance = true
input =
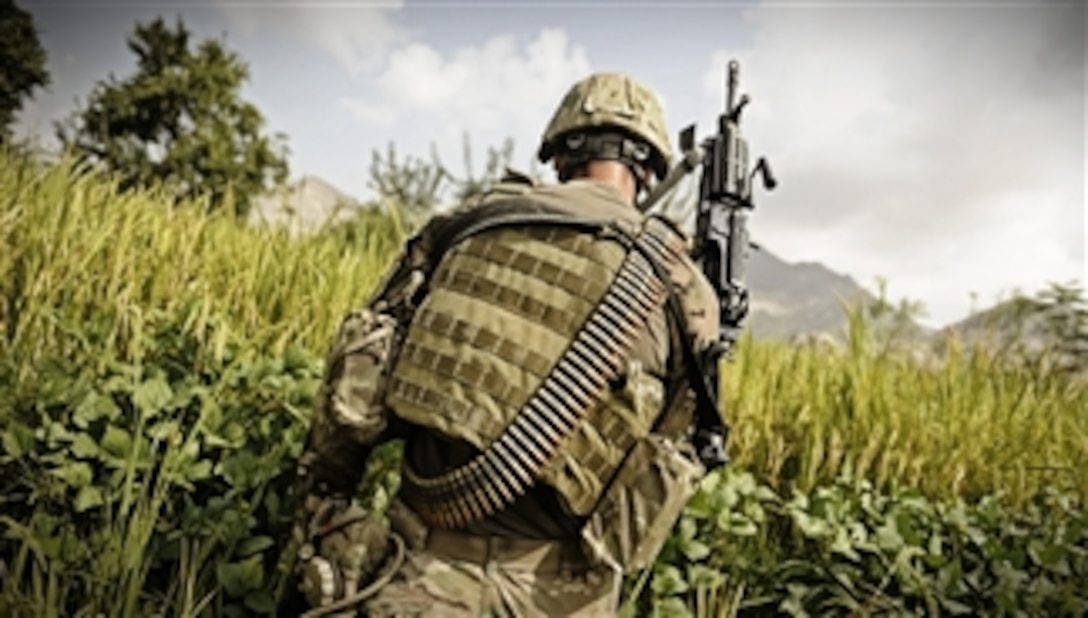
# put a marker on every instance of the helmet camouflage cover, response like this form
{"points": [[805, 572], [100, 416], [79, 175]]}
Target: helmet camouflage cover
{"points": [[610, 100]]}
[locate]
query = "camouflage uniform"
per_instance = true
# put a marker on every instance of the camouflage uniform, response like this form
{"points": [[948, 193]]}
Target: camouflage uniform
{"points": [[601, 505]]}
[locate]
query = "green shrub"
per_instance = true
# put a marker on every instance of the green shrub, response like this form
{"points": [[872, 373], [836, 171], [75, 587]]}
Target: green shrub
{"points": [[847, 549], [158, 485]]}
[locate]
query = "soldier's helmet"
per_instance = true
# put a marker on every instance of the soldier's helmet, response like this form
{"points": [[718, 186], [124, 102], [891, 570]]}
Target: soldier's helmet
{"points": [[610, 100]]}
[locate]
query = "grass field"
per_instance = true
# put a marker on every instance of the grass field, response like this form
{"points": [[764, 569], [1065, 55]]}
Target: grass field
{"points": [[156, 366]]}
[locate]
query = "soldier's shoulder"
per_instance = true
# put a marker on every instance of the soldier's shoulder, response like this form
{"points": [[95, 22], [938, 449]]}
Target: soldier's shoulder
{"points": [[513, 182], [518, 177], [584, 197], [590, 198], [675, 228]]}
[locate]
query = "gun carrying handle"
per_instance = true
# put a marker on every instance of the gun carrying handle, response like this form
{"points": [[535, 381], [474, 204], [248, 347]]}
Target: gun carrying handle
{"points": [[763, 168]]}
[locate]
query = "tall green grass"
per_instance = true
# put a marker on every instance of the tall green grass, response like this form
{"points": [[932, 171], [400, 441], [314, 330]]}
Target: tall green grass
{"points": [[107, 294], [968, 424], [79, 255]]}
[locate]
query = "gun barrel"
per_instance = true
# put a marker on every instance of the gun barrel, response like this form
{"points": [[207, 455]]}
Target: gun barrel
{"points": [[733, 76]]}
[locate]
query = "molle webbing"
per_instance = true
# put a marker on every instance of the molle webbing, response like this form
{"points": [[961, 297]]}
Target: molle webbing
{"points": [[576, 383], [502, 308]]}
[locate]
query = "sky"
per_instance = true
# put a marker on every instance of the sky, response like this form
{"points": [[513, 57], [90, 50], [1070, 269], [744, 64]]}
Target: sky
{"points": [[937, 146]]}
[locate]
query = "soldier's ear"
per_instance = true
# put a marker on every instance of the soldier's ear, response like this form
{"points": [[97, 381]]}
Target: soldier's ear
{"points": [[559, 163]]}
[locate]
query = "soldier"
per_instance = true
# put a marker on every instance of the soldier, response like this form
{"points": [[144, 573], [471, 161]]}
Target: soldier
{"points": [[527, 348]]}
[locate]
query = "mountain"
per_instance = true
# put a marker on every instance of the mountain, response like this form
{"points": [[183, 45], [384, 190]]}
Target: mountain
{"points": [[1000, 324], [1052, 319], [791, 299], [303, 205]]}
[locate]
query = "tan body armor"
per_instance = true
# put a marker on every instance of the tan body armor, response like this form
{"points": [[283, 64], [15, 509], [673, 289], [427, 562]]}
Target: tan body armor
{"points": [[504, 310], [537, 381]]}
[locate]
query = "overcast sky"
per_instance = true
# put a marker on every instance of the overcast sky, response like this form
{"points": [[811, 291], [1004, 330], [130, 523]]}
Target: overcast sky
{"points": [[940, 146]]}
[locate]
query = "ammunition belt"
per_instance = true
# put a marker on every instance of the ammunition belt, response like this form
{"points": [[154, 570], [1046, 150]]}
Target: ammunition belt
{"points": [[598, 354]]}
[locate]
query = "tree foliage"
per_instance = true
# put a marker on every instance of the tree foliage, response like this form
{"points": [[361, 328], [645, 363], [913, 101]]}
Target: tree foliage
{"points": [[1062, 311], [180, 120], [409, 187], [414, 189], [498, 159], [23, 59]]}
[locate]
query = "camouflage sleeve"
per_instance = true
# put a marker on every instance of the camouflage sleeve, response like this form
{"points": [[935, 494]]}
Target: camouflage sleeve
{"points": [[699, 303], [350, 418]]}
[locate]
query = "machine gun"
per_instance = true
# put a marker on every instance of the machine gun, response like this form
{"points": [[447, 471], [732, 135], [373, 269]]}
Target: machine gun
{"points": [[720, 247]]}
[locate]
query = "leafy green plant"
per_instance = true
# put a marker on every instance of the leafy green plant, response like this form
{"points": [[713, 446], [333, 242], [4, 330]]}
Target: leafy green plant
{"points": [[162, 483], [847, 549]]}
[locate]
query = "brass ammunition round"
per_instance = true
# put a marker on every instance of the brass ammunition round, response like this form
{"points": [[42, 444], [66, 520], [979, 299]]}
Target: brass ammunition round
{"points": [[564, 417], [597, 338], [500, 496], [616, 320], [549, 421], [517, 434], [580, 387], [634, 295], [584, 354], [512, 460]]}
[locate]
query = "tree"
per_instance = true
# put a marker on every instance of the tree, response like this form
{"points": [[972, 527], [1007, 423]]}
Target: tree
{"points": [[498, 160], [415, 188], [180, 121], [23, 59], [1061, 310], [410, 188]]}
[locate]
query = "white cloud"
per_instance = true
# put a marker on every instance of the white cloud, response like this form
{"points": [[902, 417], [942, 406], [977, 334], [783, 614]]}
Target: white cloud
{"points": [[941, 148], [503, 88], [418, 79], [357, 36], [377, 115], [487, 84]]}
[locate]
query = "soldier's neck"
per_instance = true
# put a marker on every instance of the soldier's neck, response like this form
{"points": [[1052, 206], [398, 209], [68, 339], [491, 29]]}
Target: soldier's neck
{"points": [[615, 174]]}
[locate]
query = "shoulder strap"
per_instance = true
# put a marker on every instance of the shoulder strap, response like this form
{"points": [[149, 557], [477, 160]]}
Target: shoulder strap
{"points": [[515, 211]]}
